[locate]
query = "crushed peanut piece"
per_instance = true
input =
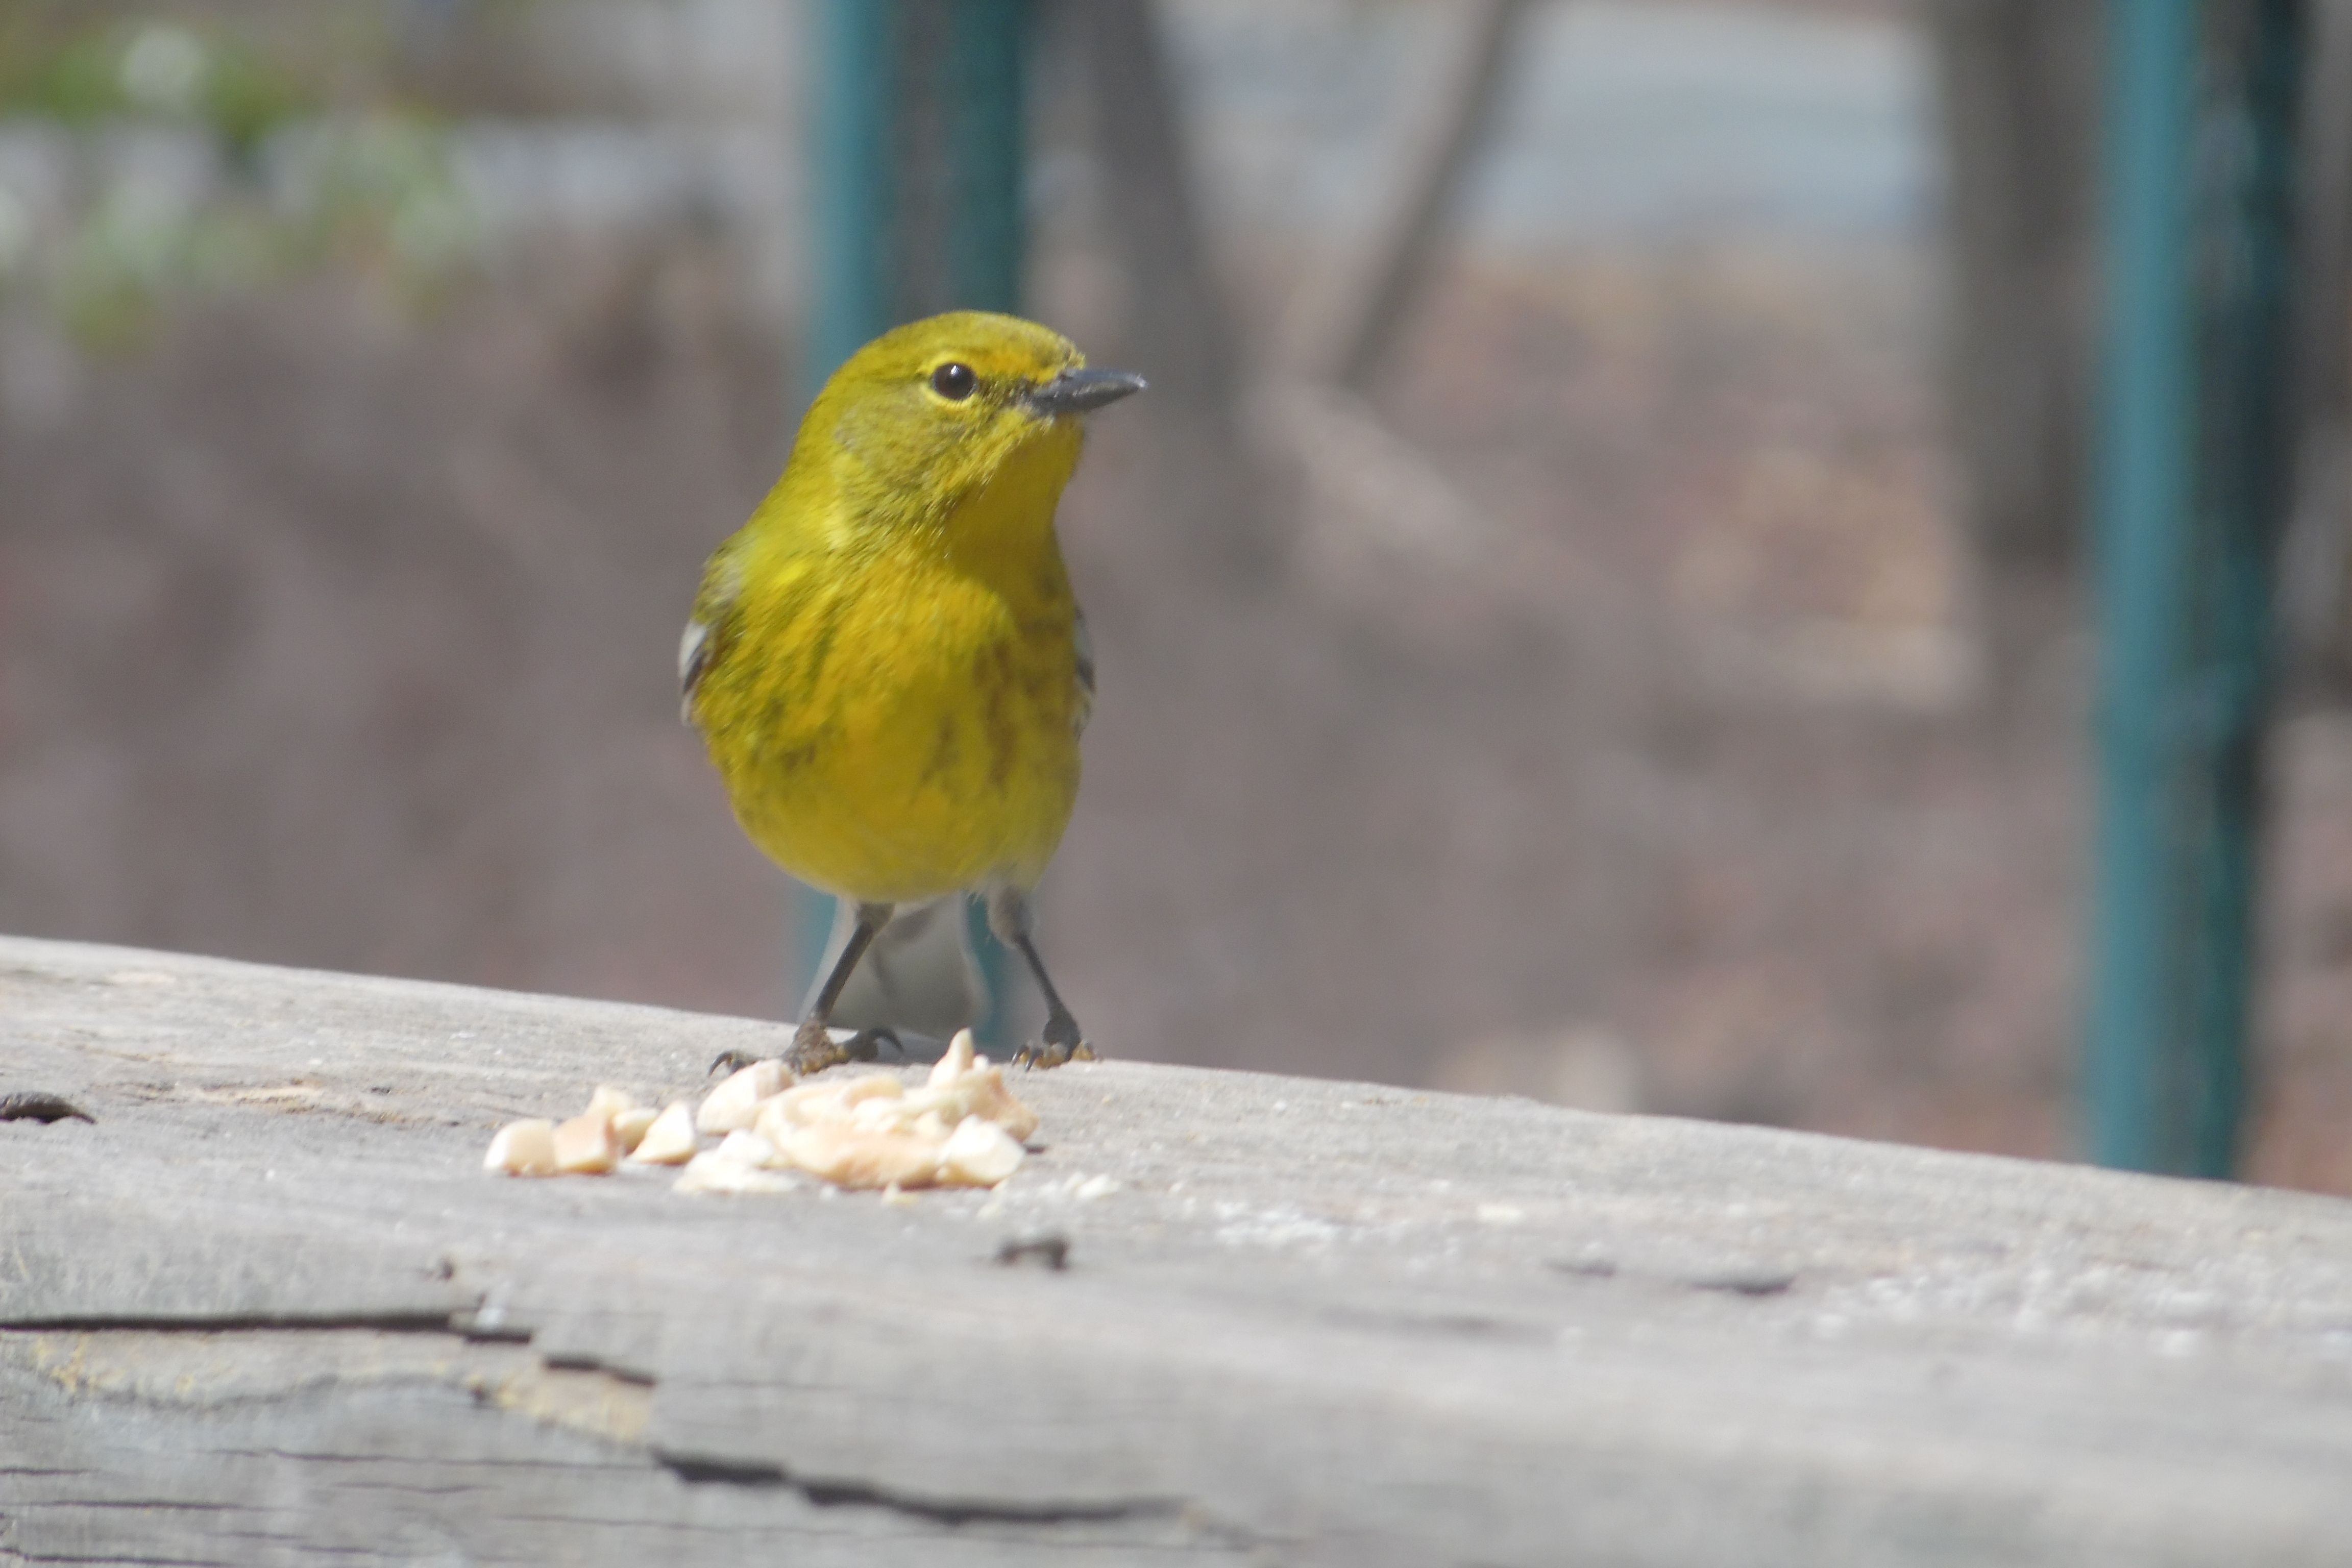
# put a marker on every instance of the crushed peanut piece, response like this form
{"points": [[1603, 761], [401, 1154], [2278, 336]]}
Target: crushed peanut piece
{"points": [[609, 1101], [812, 1104], [736, 1101], [880, 1102], [861, 1157], [713, 1173], [955, 1061], [523, 1149], [632, 1125], [584, 1146], [670, 1141], [959, 1127], [746, 1147], [985, 1096], [980, 1154]]}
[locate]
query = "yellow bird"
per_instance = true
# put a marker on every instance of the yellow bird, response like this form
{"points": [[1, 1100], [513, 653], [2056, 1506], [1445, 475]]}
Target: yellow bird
{"points": [[886, 663]]}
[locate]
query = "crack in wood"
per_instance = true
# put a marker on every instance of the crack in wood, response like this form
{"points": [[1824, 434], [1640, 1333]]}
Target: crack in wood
{"points": [[194, 1365], [34, 1105], [954, 1512], [118, 1559], [241, 1322], [1452, 1325]]}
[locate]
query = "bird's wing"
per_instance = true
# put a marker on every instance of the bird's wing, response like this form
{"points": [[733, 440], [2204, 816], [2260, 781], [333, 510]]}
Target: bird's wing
{"points": [[709, 627], [694, 652], [1084, 708]]}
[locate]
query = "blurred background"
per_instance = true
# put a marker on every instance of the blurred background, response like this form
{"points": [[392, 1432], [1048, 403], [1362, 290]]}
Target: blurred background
{"points": [[1594, 607]]}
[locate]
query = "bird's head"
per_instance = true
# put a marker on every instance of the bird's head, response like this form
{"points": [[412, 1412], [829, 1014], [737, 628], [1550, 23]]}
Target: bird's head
{"points": [[926, 419]]}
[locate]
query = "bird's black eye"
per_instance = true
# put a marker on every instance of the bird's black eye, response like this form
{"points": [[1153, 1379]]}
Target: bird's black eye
{"points": [[954, 382]]}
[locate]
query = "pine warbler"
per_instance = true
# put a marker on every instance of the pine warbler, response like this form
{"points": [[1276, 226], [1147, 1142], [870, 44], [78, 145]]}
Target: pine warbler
{"points": [[886, 663]]}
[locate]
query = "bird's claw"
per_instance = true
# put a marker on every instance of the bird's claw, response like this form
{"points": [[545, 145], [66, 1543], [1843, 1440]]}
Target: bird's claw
{"points": [[1059, 1046], [735, 1061], [815, 1048]]}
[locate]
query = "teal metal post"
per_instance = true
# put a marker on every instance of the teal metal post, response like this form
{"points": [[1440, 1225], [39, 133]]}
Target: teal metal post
{"points": [[853, 91], [2245, 451], [2146, 478], [853, 177], [2190, 497], [986, 114]]}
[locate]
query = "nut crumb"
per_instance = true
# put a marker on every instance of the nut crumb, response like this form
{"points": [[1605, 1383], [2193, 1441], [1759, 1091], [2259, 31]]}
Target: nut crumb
{"points": [[632, 1125], [523, 1149], [670, 1140], [959, 1127], [713, 1173], [584, 1146], [735, 1103]]}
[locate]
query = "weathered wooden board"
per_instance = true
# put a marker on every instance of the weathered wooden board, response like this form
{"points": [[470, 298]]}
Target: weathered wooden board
{"points": [[270, 1309]]}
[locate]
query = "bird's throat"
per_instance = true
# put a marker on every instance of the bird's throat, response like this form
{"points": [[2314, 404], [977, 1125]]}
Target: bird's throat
{"points": [[1002, 532]]}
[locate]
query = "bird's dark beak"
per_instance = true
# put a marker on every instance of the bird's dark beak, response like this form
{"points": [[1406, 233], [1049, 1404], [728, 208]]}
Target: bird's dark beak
{"points": [[1083, 391]]}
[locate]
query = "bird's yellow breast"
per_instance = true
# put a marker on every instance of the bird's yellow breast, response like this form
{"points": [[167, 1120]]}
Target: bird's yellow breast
{"points": [[896, 715]]}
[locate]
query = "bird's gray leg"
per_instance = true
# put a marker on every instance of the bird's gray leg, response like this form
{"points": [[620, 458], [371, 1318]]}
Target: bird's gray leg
{"points": [[1008, 918], [814, 1047]]}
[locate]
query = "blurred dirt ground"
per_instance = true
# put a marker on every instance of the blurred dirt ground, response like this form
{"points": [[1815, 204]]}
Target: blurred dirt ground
{"points": [[1667, 773]]}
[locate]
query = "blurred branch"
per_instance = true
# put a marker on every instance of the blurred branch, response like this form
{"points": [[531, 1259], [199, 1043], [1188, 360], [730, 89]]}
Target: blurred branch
{"points": [[1386, 525], [1384, 522], [1184, 327], [1181, 321], [2317, 553], [1368, 488], [2018, 92], [1367, 302]]}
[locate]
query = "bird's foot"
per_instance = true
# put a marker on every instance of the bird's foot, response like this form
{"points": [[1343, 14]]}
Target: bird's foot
{"points": [[815, 1049], [862, 1047], [1049, 1054], [1062, 1043]]}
